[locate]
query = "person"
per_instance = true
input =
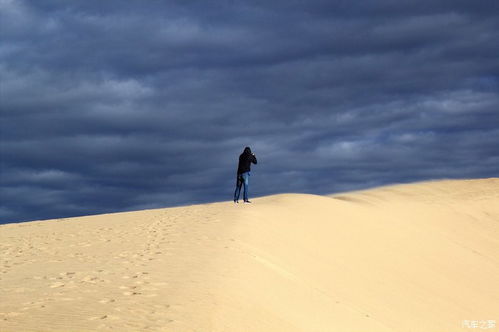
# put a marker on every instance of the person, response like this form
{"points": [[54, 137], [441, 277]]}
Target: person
{"points": [[243, 173]]}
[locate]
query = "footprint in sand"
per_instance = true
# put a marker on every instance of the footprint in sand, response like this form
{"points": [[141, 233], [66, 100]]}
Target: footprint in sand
{"points": [[104, 301], [90, 279], [67, 274], [128, 293], [132, 290], [57, 285]]}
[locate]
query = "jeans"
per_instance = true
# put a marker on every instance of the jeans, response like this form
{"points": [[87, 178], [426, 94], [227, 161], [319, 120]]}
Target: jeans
{"points": [[242, 181]]}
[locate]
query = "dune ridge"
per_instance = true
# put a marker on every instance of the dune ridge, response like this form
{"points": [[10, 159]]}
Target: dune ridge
{"points": [[411, 257]]}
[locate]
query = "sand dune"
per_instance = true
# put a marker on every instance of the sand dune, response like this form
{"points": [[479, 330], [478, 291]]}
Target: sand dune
{"points": [[417, 257]]}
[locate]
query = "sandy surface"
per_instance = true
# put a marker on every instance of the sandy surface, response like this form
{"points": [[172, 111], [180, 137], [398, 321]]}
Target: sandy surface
{"points": [[419, 257]]}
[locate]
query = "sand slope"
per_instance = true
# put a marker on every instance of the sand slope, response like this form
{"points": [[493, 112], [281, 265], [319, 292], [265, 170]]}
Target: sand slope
{"points": [[418, 257]]}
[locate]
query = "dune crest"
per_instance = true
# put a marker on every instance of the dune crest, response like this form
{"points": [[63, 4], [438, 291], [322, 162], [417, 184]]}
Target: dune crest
{"points": [[414, 257]]}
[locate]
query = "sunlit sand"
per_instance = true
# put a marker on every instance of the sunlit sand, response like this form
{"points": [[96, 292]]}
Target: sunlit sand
{"points": [[415, 257]]}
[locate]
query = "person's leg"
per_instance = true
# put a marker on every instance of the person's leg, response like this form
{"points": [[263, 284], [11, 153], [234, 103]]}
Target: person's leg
{"points": [[246, 185], [238, 190], [236, 194]]}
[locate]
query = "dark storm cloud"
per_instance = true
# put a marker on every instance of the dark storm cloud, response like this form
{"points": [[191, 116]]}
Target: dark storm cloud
{"points": [[122, 105]]}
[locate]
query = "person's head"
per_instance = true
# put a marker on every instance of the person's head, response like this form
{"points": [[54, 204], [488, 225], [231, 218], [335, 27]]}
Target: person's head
{"points": [[247, 149]]}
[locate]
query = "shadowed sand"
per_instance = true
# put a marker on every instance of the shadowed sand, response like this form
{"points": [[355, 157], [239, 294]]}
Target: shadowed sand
{"points": [[417, 257]]}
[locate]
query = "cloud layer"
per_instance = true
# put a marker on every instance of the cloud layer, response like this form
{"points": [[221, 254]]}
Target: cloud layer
{"points": [[113, 106]]}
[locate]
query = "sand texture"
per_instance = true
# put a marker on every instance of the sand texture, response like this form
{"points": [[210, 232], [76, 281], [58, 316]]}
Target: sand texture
{"points": [[416, 257]]}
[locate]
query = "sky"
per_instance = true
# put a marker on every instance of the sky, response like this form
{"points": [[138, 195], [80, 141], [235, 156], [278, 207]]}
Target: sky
{"points": [[110, 106]]}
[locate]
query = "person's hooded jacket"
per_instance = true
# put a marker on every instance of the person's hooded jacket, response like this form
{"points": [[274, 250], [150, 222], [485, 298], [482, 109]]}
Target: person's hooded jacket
{"points": [[245, 160]]}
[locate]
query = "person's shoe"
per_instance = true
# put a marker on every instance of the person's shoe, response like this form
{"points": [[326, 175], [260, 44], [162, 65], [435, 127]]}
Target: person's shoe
{"points": [[247, 201], [236, 201]]}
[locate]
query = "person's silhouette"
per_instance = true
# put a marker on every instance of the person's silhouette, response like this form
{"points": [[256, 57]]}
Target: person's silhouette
{"points": [[243, 173]]}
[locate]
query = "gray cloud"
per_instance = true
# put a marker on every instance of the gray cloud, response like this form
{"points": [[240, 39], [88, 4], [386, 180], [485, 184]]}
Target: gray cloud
{"points": [[114, 106]]}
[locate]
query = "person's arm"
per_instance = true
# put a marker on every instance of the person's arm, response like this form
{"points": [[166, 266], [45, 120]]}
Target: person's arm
{"points": [[254, 159]]}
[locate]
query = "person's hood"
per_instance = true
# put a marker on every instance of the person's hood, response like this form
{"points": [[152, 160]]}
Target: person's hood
{"points": [[247, 150]]}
